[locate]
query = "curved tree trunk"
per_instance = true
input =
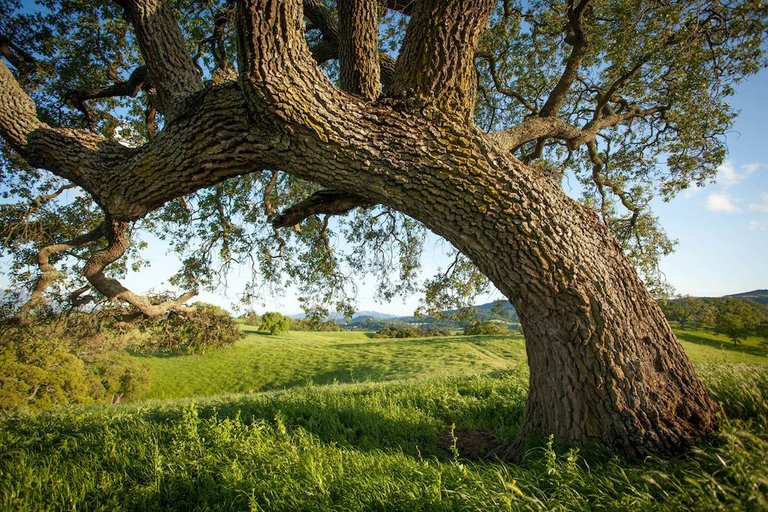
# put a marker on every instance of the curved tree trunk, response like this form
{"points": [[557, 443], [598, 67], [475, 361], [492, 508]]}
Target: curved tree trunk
{"points": [[605, 366]]}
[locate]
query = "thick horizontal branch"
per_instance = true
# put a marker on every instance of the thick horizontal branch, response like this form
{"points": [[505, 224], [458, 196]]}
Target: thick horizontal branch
{"points": [[324, 202]]}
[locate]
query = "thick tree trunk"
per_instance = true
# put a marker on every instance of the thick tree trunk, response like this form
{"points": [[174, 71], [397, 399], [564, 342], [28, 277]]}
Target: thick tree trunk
{"points": [[605, 366]]}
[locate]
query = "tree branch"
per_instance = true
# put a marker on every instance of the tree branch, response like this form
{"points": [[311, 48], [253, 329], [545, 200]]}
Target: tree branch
{"points": [[359, 48], [48, 272], [171, 70], [118, 242], [575, 37], [327, 202], [130, 87], [19, 59], [435, 64]]}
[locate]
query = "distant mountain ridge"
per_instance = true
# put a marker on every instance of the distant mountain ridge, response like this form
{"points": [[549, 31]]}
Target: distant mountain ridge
{"points": [[759, 296]]}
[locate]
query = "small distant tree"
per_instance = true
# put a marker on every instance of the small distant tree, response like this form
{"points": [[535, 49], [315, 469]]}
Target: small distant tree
{"points": [[488, 328], [274, 323], [737, 318], [685, 310], [251, 318]]}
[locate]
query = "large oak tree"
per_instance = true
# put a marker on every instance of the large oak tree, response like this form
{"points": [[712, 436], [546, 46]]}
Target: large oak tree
{"points": [[467, 127]]}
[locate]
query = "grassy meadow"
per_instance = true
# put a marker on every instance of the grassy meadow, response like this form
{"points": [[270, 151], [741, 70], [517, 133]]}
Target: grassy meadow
{"points": [[340, 421]]}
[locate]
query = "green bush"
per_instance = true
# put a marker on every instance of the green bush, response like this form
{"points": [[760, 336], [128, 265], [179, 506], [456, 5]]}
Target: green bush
{"points": [[179, 332], [407, 331], [37, 371], [113, 377], [487, 328], [274, 323], [303, 324]]}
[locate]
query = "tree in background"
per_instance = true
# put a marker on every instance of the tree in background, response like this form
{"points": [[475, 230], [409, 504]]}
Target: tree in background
{"points": [[689, 310], [738, 318], [457, 117], [274, 323]]}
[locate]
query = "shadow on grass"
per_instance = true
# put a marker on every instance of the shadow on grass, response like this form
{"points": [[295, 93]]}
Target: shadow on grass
{"points": [[729, 345], [430, 340]]}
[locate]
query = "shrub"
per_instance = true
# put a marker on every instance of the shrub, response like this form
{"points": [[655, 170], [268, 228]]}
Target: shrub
{"points": [[179, 332], [274, 323], [115, 376], [303, 324], [251, 318], [407, 331], [486, 328], [37, 371]]}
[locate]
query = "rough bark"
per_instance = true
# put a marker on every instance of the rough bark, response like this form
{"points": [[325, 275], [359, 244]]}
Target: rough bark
{"points": [[171, 70], [359, 48], [605, 366], [435, 65]]}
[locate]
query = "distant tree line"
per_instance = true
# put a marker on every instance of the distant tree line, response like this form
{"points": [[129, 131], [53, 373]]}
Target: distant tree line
{"points": [[736, 318]]}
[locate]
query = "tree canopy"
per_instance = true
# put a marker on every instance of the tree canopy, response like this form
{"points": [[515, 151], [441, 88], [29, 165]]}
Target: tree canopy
{"points": [[627, 101]]}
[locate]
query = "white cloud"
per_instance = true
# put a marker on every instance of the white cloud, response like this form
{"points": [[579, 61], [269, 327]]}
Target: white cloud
{"points": [[728, 175], [760, 207], [721, 203], [759, 224]]}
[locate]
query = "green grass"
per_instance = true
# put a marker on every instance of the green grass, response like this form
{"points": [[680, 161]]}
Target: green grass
{"points": [[260, 362], [404, 442]]}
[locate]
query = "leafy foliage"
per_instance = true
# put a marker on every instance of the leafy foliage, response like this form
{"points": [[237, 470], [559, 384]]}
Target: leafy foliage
{"points": [[488, 327], [274, 323], [664, 71], [207, 327], [408, 331], [42, 365]]}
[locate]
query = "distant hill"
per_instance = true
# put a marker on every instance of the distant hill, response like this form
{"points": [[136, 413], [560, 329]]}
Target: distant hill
{"points": [[759, 296], [451, 319]]}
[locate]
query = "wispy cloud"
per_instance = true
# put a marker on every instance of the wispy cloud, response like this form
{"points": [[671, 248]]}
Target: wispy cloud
{"points": [[761, 207], [728, 175], [759, 224], [721, 203]]}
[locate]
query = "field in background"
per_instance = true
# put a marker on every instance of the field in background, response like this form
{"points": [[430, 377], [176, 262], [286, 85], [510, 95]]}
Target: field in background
{"points": [[411, 425], [260, 362]]}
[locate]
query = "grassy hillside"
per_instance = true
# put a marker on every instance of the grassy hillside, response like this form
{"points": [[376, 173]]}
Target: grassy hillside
{"points": [[261, 362], [416, 444]]}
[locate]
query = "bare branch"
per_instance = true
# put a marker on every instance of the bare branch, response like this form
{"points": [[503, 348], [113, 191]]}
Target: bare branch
{"points": [[48, 272], [118, 242], [500, 87], [328, 202], [575, 37]]}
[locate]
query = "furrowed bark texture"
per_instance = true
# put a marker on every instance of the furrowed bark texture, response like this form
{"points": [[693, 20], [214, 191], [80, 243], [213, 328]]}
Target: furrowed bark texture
{"points": [[359, 48], [435, 64], [605, 366]]}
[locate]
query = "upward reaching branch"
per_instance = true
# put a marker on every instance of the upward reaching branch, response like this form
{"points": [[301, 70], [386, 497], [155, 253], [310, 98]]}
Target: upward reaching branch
{"points": [[162, 45], [359, 47], [436, 61]]}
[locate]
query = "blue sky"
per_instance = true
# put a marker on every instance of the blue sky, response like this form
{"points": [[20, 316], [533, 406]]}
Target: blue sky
{"points": [[722, 228]]}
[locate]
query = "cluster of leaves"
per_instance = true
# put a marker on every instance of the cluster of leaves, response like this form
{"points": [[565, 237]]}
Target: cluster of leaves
{"points": [[43, 365], [679, 61], [208, 327], [486, 328], [274, 323], [410, 331], [737, 318]]}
